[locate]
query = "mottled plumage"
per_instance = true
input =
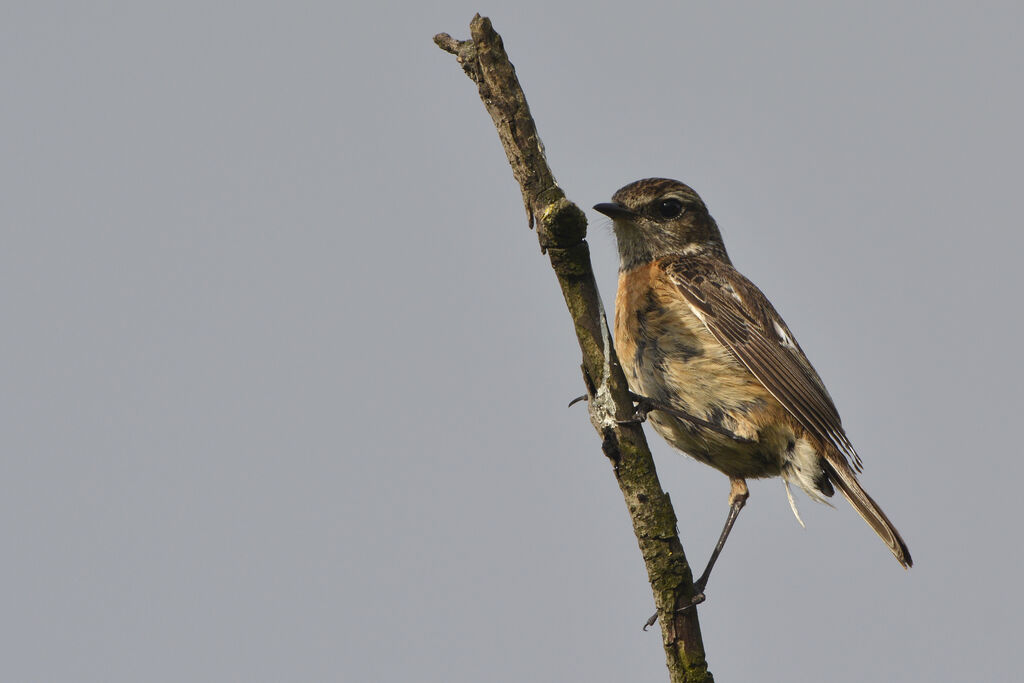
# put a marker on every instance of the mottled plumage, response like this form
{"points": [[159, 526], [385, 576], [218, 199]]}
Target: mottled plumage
{"points": [[695, 336]]}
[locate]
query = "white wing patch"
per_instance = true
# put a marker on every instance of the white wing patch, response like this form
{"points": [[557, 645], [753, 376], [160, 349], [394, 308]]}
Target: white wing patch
{"points": [[735, 295], [784, 337]]}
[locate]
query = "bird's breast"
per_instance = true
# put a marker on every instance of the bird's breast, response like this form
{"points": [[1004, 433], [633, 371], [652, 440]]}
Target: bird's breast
{"points": [[670, 356]]}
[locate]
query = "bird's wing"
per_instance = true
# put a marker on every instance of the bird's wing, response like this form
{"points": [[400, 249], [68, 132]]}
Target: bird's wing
{"points": [[740, 316]]}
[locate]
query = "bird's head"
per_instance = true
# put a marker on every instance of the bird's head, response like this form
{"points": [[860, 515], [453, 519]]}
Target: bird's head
{"points": [[658, 217]]}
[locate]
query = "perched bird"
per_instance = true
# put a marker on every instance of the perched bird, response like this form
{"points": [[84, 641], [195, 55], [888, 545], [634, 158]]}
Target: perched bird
{"points": [[715, 368]]}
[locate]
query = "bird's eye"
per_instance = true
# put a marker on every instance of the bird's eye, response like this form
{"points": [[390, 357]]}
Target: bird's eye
{"points": [[669, 208]]}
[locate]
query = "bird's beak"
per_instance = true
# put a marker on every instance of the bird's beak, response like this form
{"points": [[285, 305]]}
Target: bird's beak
{"points": [[614, 210]]}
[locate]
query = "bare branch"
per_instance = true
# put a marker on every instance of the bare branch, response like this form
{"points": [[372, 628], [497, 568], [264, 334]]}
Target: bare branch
{"points": [[561, 230]]}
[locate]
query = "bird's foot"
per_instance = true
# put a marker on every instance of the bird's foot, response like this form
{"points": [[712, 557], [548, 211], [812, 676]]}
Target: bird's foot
{"points": [[738, 496], [698, 597], [643, 408], [646, 405]]}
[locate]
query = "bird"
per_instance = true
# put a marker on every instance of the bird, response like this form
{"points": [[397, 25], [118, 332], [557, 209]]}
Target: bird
{"points": [[715, 369]]}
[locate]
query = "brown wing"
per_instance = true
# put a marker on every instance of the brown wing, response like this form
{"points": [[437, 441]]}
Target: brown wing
{"points": [[736, 312]]}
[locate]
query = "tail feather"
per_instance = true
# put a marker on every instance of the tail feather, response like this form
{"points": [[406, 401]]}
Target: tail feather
{"points": [[846, 481]]}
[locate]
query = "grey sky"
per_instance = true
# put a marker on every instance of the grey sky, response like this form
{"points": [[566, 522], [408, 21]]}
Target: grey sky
{"points": [[285, 374]]}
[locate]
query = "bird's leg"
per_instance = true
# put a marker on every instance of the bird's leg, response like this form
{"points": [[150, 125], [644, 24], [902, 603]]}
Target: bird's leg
{"points": [[645, 406], [738, 494]]}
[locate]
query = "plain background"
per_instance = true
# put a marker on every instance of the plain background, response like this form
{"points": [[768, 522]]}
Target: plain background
{"points": [[284, 374]]}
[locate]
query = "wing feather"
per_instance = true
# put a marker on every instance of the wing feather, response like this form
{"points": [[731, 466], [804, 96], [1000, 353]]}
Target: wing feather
{"points": [[739, 315]]}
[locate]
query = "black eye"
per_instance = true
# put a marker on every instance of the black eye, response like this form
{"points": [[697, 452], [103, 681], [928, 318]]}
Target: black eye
{"points": [[669, 208]]}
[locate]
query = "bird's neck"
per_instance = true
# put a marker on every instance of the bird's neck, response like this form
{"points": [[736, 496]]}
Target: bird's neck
{"points": [[633, 253]]}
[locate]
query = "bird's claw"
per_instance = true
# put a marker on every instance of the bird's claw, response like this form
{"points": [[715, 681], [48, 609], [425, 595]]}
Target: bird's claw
{"points": [[694, 601], [576, 400], [650, 622]]}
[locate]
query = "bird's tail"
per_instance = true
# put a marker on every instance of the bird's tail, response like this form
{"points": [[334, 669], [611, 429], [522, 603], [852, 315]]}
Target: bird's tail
{"points": [[846, 481]]}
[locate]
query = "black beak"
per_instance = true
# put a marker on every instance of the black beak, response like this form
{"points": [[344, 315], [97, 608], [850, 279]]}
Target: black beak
{"points": [[613, 210]]}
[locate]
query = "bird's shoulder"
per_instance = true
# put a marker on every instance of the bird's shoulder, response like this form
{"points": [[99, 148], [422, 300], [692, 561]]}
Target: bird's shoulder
{"points": [[714, 286]]}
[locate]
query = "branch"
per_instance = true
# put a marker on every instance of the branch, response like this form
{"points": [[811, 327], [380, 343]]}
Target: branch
{"points": [[561, 229]]}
